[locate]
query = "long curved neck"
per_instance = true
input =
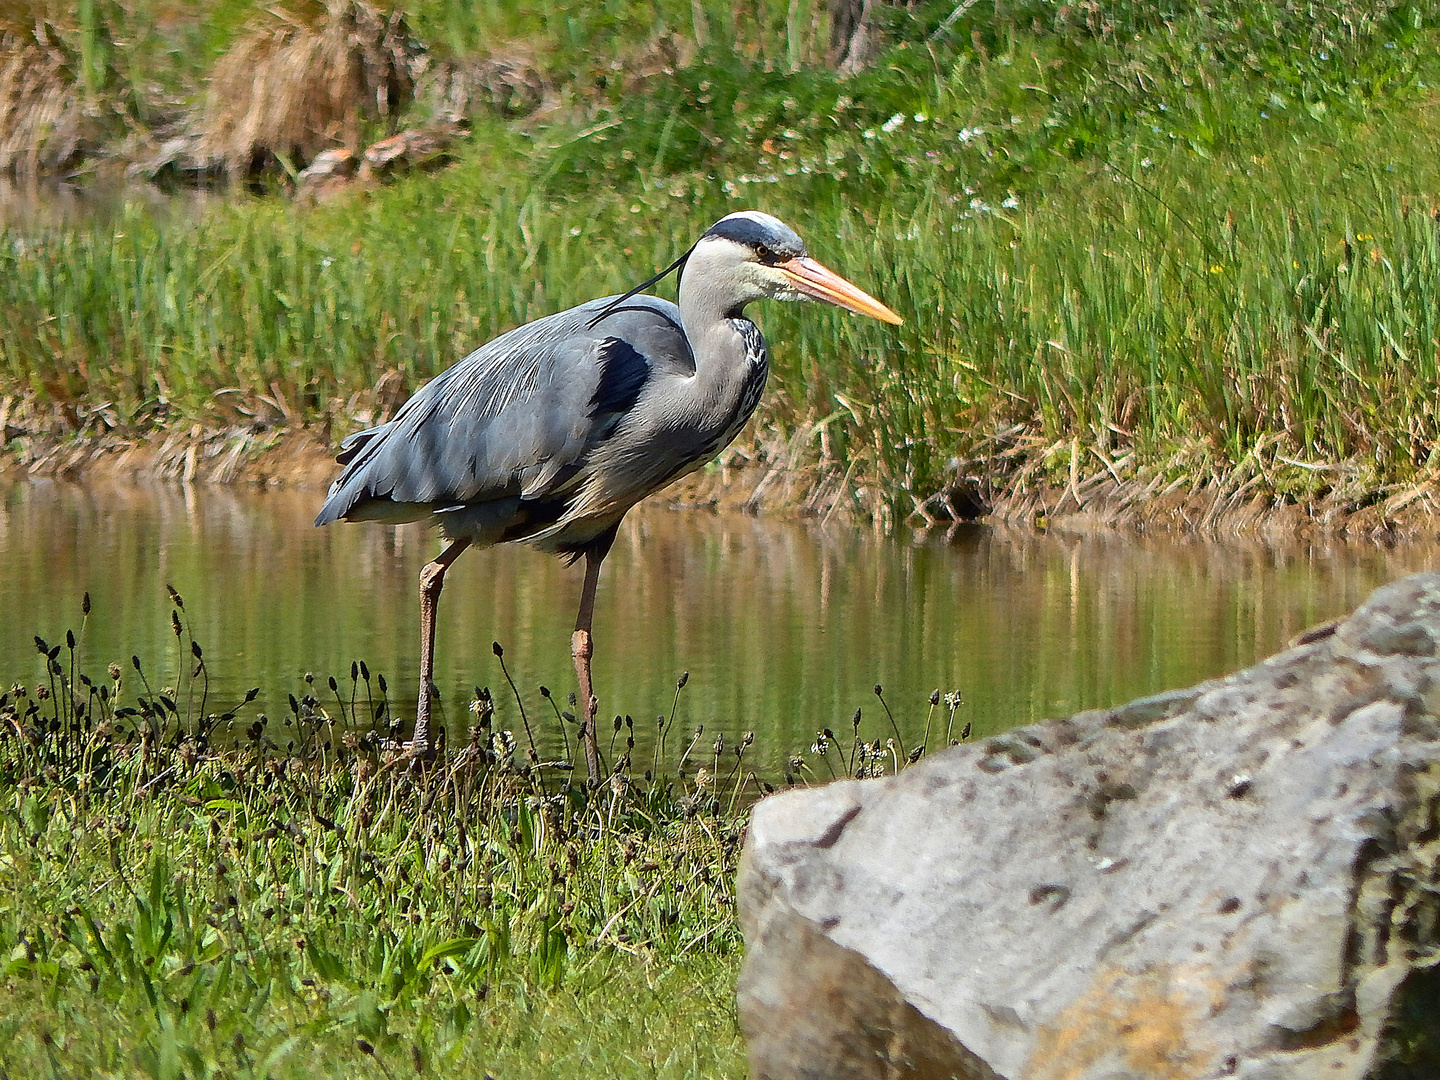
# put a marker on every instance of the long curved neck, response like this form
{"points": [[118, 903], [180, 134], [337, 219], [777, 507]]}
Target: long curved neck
{"points": [[730, 357]]}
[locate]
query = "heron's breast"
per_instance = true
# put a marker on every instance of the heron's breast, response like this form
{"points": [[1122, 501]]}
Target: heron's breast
{"points": [[754, 373]]}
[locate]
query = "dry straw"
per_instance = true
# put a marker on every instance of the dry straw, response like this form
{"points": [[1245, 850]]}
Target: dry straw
{"points": [[507, 85], [46, 124], [304, 78]]}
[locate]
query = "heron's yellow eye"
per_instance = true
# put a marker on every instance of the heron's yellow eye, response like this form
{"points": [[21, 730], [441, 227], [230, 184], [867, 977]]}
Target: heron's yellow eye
{"points": [[765, 254]]}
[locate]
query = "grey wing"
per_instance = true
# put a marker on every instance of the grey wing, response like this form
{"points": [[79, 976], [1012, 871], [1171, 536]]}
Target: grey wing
{"points": [[518, 417]]}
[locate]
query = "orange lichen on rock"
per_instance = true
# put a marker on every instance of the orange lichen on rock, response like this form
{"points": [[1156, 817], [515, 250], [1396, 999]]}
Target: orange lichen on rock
{"points": [[1143, 1022]]}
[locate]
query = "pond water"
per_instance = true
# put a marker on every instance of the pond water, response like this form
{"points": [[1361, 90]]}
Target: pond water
{"points": [[785, 628], [40, 206]]}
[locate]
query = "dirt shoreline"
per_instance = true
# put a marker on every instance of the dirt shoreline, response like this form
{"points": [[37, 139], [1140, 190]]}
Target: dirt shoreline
{"points": [[749, 478]]}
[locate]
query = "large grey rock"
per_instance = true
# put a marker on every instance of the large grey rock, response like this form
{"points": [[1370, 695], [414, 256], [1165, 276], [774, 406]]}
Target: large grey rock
{"points": [[1234, 880]]}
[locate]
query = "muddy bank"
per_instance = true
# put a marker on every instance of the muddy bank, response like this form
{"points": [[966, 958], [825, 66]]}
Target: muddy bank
{"points": [[251, 454], [769, 476]]}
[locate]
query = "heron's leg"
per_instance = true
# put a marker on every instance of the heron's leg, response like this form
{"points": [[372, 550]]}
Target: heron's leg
{"points": [[581, 648], [432, 579]]}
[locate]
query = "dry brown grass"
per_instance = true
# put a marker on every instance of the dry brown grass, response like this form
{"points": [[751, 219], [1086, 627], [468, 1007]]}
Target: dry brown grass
{"points": [[46, 124], [304, 78], [509, 85]]}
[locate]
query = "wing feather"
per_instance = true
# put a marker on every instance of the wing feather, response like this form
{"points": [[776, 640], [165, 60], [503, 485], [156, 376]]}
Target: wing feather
{"points": [[518, 417]]}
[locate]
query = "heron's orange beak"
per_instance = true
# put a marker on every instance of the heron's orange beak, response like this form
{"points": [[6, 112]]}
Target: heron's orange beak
{"points": [[819, 283]]}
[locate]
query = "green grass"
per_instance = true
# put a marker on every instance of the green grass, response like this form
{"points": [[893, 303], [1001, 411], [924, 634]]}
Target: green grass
{"points": [[185, 897], [623, 1018], [1195, 242], [192, 895]]}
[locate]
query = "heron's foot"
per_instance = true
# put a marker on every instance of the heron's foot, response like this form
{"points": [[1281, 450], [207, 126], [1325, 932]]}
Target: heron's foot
{"points": [[422, 758], [422, 753], [417, 754]]}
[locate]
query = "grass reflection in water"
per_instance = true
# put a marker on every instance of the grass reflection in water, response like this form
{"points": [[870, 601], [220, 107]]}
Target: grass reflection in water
{"points": [[784, 628]]}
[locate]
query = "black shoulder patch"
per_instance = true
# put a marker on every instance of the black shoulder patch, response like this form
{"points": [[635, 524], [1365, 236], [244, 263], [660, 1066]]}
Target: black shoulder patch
{"points": [[623, 374]]}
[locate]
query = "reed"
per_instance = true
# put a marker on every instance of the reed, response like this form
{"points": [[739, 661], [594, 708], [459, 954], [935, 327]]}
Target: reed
{"points": [[1213, 268]]}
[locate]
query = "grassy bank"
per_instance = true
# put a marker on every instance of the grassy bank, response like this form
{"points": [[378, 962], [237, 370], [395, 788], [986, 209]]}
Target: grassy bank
{"points": [[193, 894], [1188, 245], [197, 895]]}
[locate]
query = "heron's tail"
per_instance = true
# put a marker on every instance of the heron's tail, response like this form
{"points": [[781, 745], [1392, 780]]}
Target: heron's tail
{"points": [[345, 492]]}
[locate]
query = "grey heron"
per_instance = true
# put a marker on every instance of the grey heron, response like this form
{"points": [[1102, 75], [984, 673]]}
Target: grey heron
{"points": [[550, 433]]}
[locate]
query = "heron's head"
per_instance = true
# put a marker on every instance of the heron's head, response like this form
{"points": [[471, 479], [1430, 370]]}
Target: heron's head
{"points": [[752, 256]]}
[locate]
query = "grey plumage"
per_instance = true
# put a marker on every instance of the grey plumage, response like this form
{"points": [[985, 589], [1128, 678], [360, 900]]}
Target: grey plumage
{"points": [[551, 432], [507, 444]]}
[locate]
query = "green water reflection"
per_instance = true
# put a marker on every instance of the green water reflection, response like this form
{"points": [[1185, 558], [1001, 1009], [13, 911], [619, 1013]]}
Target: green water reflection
{"points": [[784, 628]]}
